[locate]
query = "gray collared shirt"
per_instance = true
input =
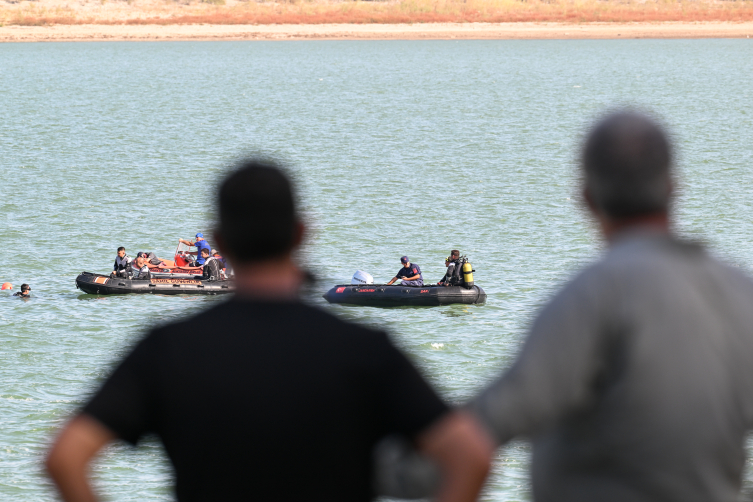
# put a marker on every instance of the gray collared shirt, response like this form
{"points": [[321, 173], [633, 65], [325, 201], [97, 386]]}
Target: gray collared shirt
{"points": [[636, 381]]}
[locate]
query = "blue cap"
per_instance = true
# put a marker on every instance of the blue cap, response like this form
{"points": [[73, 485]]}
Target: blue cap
{"points": [[199, 235], [404, 259]]}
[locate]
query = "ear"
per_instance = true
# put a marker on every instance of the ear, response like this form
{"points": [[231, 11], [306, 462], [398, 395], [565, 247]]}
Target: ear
{"points": [[299, 233], [590, 201]]}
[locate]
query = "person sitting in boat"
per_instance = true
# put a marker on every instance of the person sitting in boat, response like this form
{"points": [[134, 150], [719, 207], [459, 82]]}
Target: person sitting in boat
{"points": [[224, 271], [211, 269], [218, 256], [410, 274], [139, 268], [454, 274], [122, 261], [200, 244], [25, 291]]}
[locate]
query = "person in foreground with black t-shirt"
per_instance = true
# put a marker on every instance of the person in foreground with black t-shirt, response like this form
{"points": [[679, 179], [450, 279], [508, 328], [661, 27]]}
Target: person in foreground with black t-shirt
{"points": [[263, 397]]}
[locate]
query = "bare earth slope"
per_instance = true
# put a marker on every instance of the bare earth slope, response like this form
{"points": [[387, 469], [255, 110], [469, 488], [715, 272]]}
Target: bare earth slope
{"points": [[72, 20], [90, 32]]}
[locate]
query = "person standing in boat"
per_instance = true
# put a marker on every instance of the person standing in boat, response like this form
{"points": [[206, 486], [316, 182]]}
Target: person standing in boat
{"points": [[410, 274], [122, 261], [200, 244], [454, 275]]}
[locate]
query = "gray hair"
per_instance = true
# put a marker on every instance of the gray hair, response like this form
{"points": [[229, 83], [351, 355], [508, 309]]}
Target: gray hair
{"points": [[627, 162]]}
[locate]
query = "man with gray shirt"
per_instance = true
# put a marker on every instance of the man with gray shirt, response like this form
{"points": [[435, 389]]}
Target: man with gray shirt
{"points": [[636, 380]]}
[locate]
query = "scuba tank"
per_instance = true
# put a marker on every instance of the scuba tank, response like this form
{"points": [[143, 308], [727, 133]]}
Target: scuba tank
{"points": [[468, 274]]}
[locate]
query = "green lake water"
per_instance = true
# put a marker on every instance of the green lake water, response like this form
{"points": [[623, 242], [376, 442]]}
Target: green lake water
{"points": [[399, 148]]}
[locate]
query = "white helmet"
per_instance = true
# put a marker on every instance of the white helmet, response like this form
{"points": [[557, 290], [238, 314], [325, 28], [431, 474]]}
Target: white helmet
{"points": [[361, 277]]}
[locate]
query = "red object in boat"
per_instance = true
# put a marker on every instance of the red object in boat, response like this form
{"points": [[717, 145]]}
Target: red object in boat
{"points": [[181, 254]]}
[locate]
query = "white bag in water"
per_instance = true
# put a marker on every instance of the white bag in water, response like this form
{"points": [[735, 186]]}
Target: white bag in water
{"points": [[361, 277]]}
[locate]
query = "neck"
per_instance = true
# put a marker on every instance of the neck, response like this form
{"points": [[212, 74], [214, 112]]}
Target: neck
{"points": [[657, 222], [277, 279]]}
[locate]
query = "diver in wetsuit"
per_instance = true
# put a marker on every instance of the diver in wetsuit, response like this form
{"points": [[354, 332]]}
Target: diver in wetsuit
{"points": [[454, 274], [139, 268], [122, 261], [211, 268]]}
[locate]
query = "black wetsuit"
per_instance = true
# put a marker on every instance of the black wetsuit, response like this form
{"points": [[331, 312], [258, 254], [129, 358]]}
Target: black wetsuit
{"points": [[121, 265], [454, 275], [139, 273], [21, 294], [211, 269]]}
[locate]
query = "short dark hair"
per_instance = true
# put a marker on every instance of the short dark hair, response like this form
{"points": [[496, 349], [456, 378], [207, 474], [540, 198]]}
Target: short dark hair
{"points": [[258, 216], [24, 287], [205, 250], [121, 248], [627, 161], [454, 252]]}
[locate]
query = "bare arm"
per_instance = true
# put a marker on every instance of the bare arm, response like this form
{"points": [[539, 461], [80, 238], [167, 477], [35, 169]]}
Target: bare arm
{"points": [[391, 281], [68, 460], [462, 449]]}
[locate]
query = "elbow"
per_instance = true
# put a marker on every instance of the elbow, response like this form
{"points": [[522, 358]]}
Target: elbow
{"points": [[463, 450], [54, 463], [479, 460], [477, 450]]}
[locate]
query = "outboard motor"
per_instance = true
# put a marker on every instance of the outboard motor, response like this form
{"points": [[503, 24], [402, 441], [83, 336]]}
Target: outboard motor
{"points": [[361, 277]]}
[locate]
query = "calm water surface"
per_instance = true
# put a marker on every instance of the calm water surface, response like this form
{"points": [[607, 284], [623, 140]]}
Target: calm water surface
{"points": [[398, 147]]}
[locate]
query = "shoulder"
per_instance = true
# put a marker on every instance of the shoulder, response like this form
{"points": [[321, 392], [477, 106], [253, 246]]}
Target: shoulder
{"points": [[654, 265]]}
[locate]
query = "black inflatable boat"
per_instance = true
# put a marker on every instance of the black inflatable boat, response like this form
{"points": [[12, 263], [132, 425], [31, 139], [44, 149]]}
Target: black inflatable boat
{"points": [[381, 295], [161, 284]]}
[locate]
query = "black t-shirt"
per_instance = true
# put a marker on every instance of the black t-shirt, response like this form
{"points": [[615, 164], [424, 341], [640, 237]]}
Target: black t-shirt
{"points": [[266, 401]]}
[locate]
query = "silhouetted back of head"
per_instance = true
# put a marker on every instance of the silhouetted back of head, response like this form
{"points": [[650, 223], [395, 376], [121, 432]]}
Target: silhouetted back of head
{"points": [[627, 162], [258, 217]]}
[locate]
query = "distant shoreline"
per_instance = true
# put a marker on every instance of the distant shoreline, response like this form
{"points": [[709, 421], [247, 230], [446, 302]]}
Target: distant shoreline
{"points": [[422, 31]]}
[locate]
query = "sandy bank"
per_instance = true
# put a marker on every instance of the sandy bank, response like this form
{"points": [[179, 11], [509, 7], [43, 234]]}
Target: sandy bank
{"points": [[445, 31]]}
